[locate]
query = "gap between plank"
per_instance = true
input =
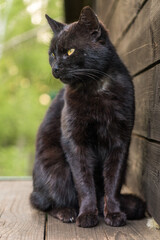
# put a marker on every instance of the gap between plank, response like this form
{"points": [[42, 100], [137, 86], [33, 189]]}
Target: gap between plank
{"points": [[146, 138], [129, 25], [45, 226], [146, 68]]}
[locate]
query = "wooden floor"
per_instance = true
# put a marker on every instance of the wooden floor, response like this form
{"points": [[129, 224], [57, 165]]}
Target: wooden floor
{"points": [[19, 221]]}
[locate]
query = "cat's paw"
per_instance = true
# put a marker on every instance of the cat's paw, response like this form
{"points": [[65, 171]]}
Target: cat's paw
{"points": [[87, 220], [116, 219], [66, 215]]}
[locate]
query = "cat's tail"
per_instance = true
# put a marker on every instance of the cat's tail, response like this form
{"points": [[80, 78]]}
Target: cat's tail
{"points": [[133, 206]]}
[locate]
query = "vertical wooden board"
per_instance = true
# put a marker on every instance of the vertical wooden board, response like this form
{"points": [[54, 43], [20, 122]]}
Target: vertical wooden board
{"points": [[143, 175], [151, 179], [126, 11], [105, 9], [99, 8], [135, 169], [147, 95], [17, 219], [140, 46]]}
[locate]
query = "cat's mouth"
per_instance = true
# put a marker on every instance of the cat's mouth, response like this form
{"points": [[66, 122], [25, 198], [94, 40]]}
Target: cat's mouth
{"points": [[63, 76], [55, 74]]}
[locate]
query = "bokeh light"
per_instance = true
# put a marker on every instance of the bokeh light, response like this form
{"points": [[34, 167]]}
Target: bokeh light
{"points": [[26, 82]]}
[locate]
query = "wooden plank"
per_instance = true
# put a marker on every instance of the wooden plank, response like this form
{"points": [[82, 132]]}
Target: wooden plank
{"points": [[121, 233], [143, 175], [135, 168], [140, 47], [105, 9], [124, 14], [99, 8], [134, 230], [17, 219], [144, 232], [147, 95], [56, 230]]}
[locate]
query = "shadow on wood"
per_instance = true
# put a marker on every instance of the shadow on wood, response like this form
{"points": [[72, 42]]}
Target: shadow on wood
{"points": [[73, 9]]}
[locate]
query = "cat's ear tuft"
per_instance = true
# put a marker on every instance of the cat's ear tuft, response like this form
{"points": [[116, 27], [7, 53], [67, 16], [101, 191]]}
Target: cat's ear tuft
{"points": [[55, 26], [90, 20]]}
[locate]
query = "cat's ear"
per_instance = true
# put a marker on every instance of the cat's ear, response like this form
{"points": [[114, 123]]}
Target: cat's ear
{"points": [[55, 26], [90, 20]]}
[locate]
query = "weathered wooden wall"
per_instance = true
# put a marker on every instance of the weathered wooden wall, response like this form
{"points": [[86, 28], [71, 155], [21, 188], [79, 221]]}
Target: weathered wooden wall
{"points": [[134, 28]]}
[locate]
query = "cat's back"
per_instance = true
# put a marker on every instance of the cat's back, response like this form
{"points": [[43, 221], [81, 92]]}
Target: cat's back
{"points": [[49, 129], [56, 106]]}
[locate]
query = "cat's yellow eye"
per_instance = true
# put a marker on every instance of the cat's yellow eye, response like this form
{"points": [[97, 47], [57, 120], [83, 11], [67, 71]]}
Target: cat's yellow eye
{"points": [[52, 54], [70, 51]]}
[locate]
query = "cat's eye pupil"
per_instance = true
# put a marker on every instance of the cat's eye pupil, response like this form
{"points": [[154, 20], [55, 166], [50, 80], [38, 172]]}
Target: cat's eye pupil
{"points": [[70, 51]]}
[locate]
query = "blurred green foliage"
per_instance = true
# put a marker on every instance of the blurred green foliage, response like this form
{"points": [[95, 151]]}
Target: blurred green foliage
{"points": [[26, 82]]}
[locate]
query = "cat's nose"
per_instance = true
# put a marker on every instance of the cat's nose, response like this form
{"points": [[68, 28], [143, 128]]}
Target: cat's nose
{"points": [[55, 71]]}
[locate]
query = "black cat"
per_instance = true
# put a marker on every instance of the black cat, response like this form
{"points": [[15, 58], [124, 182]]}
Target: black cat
{"points": [[83, 141]]}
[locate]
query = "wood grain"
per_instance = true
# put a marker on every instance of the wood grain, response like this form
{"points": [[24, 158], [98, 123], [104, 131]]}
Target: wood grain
{"points": [[56, 230], [17, 219], [142, 231], [147, 95], [124, 14], [134, 230], [140, 47], [143, 175], [105, 9]]}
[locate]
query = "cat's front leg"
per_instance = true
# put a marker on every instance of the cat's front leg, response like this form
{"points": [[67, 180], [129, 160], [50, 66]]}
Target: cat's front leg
{"points": [[80, 161], [114, 170]]}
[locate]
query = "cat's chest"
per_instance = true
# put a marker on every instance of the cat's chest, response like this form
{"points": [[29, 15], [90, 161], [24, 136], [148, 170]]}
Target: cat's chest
{"points": [[91, 109], [87, 118]]}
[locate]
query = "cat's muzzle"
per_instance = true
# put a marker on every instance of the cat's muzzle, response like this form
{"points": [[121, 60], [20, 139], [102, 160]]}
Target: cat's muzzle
{"points": [[55, 72]]}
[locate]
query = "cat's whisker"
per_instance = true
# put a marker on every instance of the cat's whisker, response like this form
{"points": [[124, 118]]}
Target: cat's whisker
{"points": [[78, 77], [90, 70], [84, 72], [92, 76], [101, 72]]}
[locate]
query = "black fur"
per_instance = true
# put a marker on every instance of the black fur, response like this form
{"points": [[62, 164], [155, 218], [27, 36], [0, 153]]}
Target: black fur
{"points": [[83, 141]]}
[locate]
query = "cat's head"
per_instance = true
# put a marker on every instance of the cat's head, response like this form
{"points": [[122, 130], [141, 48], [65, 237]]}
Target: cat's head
{"points": [[79, 51]]}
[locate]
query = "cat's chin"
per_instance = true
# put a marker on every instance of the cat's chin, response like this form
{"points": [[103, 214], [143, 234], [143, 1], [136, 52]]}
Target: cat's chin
{"points": [[63, 80], [66, 80]]}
